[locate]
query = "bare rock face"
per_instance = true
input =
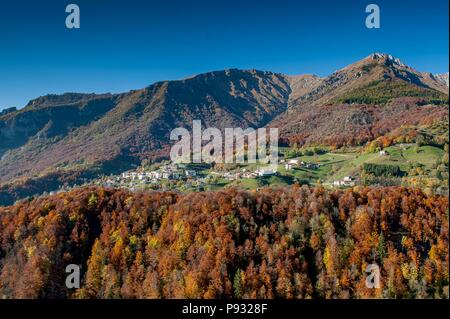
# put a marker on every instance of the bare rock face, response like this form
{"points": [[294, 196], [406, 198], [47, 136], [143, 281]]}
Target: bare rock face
{"points": [[442, 78], [56, 115], [7, 111]]}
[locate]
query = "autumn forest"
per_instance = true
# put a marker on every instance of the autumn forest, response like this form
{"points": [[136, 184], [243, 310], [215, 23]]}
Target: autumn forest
{"points": [[295, 242]]}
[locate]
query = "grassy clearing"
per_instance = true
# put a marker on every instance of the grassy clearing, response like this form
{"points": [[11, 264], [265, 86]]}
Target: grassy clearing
{"points": [[334, 166]]}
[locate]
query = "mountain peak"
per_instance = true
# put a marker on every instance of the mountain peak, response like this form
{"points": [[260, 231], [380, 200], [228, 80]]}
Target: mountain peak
{"points": [[384, 57]]}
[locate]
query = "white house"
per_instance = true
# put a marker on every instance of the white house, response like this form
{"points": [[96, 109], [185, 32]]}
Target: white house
{"points": [[346, 181], [288, 166], [266, 172], [293, 161]]}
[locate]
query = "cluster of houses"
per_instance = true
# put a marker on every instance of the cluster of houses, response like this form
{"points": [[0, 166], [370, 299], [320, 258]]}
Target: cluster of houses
{"points": [[347, 181], [290, 164], [249, 174], [168, 172], [163, 173], [174, 172]]}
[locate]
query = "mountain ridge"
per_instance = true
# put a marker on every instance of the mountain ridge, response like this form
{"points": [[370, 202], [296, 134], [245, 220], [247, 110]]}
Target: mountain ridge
{"points": [[441, 78], [99, 133]]}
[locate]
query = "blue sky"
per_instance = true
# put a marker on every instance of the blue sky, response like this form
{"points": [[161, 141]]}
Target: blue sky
{"points": [[125, 45]]}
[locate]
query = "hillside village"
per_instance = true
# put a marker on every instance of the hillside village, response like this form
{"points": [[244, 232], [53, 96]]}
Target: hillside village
{"points": [[168, 175], [191, 175]]}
